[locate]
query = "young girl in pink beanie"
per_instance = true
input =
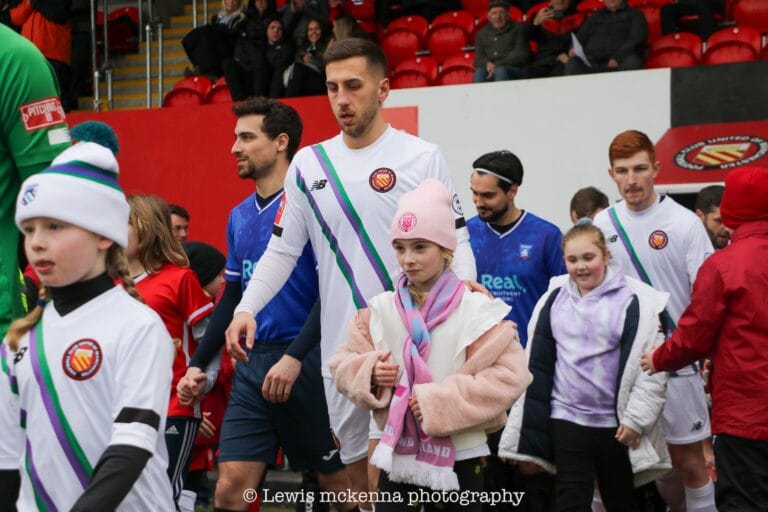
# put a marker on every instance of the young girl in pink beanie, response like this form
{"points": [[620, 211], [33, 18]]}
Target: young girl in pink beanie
{"points": [[435, 363]]}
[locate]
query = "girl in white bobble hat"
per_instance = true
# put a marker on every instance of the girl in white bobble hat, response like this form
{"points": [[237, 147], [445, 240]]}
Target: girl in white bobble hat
{"points": [[436, 363], [89, 368]]}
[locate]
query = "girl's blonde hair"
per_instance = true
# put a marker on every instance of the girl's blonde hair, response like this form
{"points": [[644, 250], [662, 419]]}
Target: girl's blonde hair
{"points": [[420, 296], [117, 268], [586, 228], [151, 219]]}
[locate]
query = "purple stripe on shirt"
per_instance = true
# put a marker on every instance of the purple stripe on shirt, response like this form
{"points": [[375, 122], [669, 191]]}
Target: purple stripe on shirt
{"points": [[37, 484]]}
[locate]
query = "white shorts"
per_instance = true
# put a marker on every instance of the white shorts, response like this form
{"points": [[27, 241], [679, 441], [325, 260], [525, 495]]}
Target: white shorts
{"points": [[349, 422], [685, 418]]}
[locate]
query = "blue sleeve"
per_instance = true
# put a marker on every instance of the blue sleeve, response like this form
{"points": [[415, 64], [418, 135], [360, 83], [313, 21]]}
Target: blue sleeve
{"points": [[233, 267], [555, 261]]}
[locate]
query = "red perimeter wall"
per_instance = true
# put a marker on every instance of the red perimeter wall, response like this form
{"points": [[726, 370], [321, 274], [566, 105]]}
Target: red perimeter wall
{"points": [[183, 155]]}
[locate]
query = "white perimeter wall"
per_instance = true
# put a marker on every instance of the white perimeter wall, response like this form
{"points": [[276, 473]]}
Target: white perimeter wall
{"points": [[559, 128]]}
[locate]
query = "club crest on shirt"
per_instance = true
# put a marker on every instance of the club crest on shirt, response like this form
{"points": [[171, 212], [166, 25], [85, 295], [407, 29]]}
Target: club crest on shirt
{"points": [[382, 180], [82, 359], [407, 222], [658, 240], [525, 251]]}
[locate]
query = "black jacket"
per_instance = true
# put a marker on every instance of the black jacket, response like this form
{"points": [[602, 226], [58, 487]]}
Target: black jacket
{"points": [[613, 35]]}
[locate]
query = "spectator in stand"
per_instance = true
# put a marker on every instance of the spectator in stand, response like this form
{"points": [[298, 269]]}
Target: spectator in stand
{"points": [[612, 38], [249, 51], [5, 11], [587, 202], [501, 49], [707, 207], [179, 222], [551, 30], [278, 55], [704, 9], [207, 46], [307, 76], [46, 23], [298, 13], [346, 26], [726, 320]]}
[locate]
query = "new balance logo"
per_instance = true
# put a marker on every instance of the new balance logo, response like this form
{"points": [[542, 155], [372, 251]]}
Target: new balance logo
{"points": [[19, 355], [697, 426], [318, 184], [330, 455], [613, 239], [172, 430]]}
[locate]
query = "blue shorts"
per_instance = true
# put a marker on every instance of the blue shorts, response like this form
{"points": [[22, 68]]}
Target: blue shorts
{"points": [[253, 429]]}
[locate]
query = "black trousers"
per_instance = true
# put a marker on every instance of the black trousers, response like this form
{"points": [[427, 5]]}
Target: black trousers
{"points": [[742, 474], [583, 454], [470, 479]]}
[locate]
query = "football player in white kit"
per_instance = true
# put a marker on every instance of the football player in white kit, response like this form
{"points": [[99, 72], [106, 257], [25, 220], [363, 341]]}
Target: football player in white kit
{"points": [[662, 243], [341, 195]]}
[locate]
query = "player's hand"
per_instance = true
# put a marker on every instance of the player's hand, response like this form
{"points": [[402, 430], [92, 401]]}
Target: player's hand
{"points": [[207, 429], [474, 286], [646, 361], [413, 403], [628, 437], [191, 387], [384, 374], [280, 378], [243, 324]]}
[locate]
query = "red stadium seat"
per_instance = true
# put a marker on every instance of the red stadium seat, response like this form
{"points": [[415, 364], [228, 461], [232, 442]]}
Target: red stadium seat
{"points": [[455, 76], [219, 92], [425, 65], [589, 6], [445, 40], [751, 12], [734, 44], [462, 19], [182, 98], [652, 15], [200, 84], [460, 60], [416, 24], [409, 79], [684, 41], [360, 9], [399, 45], [671, 57], [476, 7], [656, 3]]}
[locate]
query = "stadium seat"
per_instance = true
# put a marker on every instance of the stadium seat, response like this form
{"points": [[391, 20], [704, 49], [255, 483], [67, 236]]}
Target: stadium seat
{"points": [[751, 12], [425, 65], [476, 7], [219, 92], [360, 9], [199, 84], [683, 41], [416, 24], [399, 45], [741, 43], [656, 3], [462, 19], [455, 76], [409, 79], [182, 98], [589, 6], [652, 15], [671, 57], [445, 40], [460, 60]]}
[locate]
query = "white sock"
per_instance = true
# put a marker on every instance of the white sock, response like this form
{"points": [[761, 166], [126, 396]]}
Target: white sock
{"points": [[701, 499], [187, 501]]}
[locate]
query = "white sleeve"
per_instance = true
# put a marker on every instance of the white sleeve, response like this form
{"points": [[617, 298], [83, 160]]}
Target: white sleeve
{"points": [[271, 272], [13, 438], [142, 380], [699, 248], [463, 259]]}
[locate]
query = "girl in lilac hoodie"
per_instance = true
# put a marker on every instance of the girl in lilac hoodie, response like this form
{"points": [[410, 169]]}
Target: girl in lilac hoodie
{"points": [[590, 413]]}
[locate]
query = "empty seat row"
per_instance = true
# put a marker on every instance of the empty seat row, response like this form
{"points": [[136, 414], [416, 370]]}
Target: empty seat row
{"points": [[197, 90]]}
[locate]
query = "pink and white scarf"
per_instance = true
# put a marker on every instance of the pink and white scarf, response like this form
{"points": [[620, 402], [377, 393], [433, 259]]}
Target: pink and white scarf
{"points": [[406, 452]]}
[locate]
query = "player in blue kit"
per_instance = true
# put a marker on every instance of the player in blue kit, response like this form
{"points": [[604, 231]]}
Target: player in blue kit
{"points": [[254, 427], [516, 252]]}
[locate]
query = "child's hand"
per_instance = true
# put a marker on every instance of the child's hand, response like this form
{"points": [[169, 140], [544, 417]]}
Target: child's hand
{"points": [[413, 403], [206, 429], [384, 374], [628, 437], [646, 361]]}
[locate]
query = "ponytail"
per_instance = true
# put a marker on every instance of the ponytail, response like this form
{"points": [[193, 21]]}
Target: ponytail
{"points": [[23, 325], [117, 268]]}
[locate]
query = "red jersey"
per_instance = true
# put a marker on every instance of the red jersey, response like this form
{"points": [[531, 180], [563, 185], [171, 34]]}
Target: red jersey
{"points": [[175, 294]]}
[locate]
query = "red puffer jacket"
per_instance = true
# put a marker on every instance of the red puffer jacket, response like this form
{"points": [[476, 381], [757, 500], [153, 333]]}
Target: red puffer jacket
{"points": [[54, 40]]}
